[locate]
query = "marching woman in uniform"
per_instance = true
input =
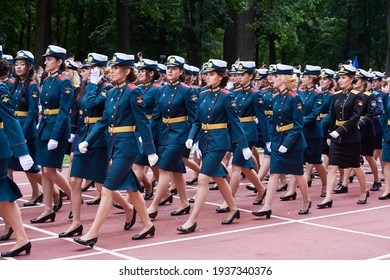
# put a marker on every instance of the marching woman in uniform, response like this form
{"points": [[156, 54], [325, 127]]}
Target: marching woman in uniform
{"points": [[25, 95], [386, 142], [344, 150], [124, 113], [173, 116], [54, 129], [13, 143], [250, 109], [216, 108], [288, 142]]}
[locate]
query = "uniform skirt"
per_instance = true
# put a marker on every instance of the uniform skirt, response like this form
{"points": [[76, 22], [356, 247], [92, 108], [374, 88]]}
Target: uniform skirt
{"points": [[53, 158], [92, 165], [121, 176], [378, 141], [14, 163], [239, 160], [9, 191], [211, 164], [367, 146], [170, 158], [344, 155], [386, 151], [312, 153], [290, 162], [324, 147]]}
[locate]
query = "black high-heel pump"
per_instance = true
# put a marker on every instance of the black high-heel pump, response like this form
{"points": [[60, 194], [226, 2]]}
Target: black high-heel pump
{"points": [[78, 231], [51, 217], [145, 234], [364, 201], [59, 205], [187, 230], [288, 197], [14, 253], [324, 205], [236, 215], [129, 225], [7, 236], [35, 201], [266, 213], [89, 243], [182, 211], [165, 201], [305, 211], [259, 201]]}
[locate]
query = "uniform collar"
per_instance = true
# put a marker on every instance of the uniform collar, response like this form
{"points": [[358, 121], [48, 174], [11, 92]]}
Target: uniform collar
{"points": [[284, 91], [248, 87], [347, 90], [122, 84], [217, 88], [55, 74], [174, 83], [237, 86], [147, 84], [310, 88], [325, 90], [5, 79]]}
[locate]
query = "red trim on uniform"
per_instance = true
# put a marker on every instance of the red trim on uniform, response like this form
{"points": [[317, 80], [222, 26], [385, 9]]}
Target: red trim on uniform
{"points": [[32, 82], [224, 91], [184, 85], [12, 80], [317, 90], [131, 86], [291, 93], [61, 77], [254, 90], [206, 90], [156, 85]]}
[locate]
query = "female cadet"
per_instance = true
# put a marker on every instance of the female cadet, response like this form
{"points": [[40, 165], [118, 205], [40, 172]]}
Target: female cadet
{"points": [[123, 113], [386, 142], [13, 143], [344, 150], [147, 74], [216, 108], [54, 128], [312, 99], [173, 117], [249, 107], [25, 95], [288, 141]]}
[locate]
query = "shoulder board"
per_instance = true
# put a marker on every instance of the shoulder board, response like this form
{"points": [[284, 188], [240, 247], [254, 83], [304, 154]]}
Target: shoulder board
{"points": [[254, 90], [331, 92], [106, 84], [354, 91], [32, 82], [204, 91], [237, 89], [61, 77], [196, 87], [317, 90], [337, 92], [224, 91], [156, 85], [12, 80], [291, 93], [368, 93], [185, 85], [131, 86]]}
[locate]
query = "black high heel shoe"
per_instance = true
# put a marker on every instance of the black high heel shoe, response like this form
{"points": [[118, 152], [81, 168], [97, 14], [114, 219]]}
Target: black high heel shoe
{"points": [[192, 182], [222, 209], [364, 201], [14, 253], [324, 205], [78, 231], [288, 197], [182, 211], [187, 230], [153, 215], [305, 211], [35, 201], [259, 201], [384, 197], [7, 236], [59, 205], [89, 243], [282, 188], [129, 225], [173, 191], [251, 188], [94, 202], [51, 217], [165, 201], [140, 236], [266, 213], [148, 196], [90, 184], [236, 215]]}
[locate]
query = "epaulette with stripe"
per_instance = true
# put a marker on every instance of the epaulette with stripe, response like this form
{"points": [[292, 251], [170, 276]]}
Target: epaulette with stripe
{"points": [[337, 92], [204, 91], [131, 86], [354, 91], [368, 93], [12, 80], [156, 85], [61, 77], [291, 93], [225, 91], [184, 85], [254, 89], [317, 90], [32, 82]]}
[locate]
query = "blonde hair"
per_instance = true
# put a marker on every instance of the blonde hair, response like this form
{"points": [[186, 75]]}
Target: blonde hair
{"points": [[291, 81], [74, 77]]}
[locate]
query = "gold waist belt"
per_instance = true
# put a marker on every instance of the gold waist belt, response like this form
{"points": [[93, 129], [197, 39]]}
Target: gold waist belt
{"points": [[21, 113], [214, 126], [340, 123], [175, 120], [91, 120], [118, 129], [284, 127], [248, 119], [49, 112]]}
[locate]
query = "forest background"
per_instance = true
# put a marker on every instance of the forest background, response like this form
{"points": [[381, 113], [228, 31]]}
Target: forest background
{"points": [[299, 32]]}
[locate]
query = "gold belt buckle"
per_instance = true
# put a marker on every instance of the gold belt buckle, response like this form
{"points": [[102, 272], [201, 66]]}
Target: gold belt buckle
{"points": [[110, 129]]}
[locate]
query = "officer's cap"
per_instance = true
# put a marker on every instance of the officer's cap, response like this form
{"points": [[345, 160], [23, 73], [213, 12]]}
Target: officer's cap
{"points": [[161, 68], [336, 76], [347, 70], [261, 73], [271, 69], [297, 72], [360, 73], [55, 51], [327, 73], [70, 64], [187, 69], [147, 64], [96, 59], [26, 55], [175, 60], [195, 70], [9, 58], [246, 66], [377, 75], [122, 59], [233, 69], [312, 70], [282, 69], [215, 65], [1, 51]]}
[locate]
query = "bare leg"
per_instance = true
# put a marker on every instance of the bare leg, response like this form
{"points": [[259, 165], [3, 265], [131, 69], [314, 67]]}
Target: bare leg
{"points": [[362, 181], [330, 180], [271, 191], [161, 190], [140, 206]]}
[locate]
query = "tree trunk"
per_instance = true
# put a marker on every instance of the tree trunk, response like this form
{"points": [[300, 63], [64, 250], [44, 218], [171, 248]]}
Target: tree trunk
{"points": [[388, 40], [43, 30], [122, 27], [193, 40], [272, 48]]}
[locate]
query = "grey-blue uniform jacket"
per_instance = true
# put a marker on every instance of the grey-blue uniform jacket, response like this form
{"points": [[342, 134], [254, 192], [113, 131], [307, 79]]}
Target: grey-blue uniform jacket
{"points": [[250, 105], [217, 109], [174, 113], [124, 110], [56, 96], [9, 81], [312, 104], [365, 123], [287, 119]]}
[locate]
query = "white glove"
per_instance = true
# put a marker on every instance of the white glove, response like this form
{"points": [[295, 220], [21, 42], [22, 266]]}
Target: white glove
{"points": [[268, 145], [256, 120], [282, 149], [197, 150], [328, 141], [71, 139], [153, 158], [53, 144], [26, 162], [189, 143], [247, 153], [334, 134], [140, 139], [95, 75], [83, 147]]}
